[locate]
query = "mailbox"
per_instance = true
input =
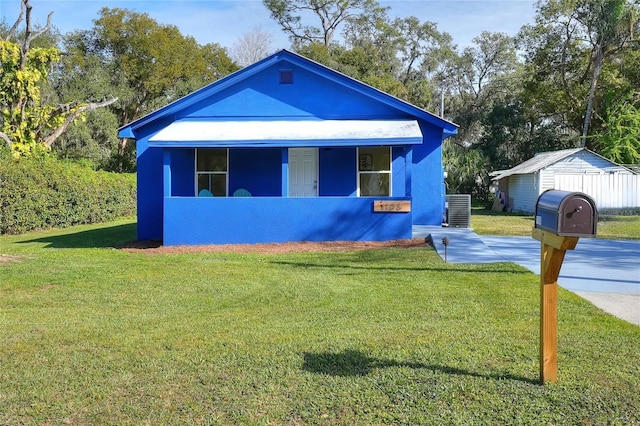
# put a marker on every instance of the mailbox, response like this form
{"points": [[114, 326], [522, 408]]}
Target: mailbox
{"points": [[564, 213]]}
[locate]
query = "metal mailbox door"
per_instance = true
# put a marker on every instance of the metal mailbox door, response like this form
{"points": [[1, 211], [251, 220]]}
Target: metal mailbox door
{"points": [[576, 216]]}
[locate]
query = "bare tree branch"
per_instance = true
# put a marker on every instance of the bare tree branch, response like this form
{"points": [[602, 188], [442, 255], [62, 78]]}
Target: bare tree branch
{"points": [[331, 14], [251, 47], [29, 35], [43, 30], [49, 140], [14, 28]]}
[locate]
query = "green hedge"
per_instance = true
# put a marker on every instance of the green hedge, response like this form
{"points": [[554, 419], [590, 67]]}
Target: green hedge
{"points": [[43, 192]]}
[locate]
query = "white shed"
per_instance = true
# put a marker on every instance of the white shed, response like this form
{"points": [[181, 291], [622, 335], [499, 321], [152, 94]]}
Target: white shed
{"points": [[611, 185]]}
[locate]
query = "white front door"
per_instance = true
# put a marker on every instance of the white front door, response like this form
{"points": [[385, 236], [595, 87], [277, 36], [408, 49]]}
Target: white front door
{"points": [[303, 172]]}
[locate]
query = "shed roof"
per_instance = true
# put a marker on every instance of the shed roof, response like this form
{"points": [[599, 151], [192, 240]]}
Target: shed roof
{"points": [[543, 160], [171, 112]]}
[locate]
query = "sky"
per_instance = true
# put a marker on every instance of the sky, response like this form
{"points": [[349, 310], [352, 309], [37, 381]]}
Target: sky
{"points": [[225, 21]]}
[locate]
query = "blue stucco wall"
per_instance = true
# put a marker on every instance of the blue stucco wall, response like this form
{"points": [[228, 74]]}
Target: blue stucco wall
{"points": [[398, 171], [427, 178], [310, 95], [182, 172], [192, 220], [149, 192], [337, 172], [256, 170]]}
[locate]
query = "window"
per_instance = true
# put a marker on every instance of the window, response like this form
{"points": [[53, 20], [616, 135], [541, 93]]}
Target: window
{"points": [[211, 171], [374, 172]]}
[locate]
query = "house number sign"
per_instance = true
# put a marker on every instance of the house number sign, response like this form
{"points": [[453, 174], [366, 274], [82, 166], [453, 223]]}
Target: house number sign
{"points": [[392, 206]]}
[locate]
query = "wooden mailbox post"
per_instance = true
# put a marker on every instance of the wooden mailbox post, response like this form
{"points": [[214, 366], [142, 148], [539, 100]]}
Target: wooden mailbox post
{"points": [[561, 218]]}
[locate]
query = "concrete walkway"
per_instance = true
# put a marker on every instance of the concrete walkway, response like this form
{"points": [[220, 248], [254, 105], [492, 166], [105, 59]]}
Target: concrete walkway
{"points": [[605, 272]]}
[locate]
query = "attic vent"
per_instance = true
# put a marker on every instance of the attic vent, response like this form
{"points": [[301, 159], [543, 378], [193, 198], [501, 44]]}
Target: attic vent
{"points": [[459, 210], [286, 76]]}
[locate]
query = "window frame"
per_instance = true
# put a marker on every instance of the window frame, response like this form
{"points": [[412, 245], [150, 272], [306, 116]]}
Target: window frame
{"points": [[198, 173], [362, 162]]}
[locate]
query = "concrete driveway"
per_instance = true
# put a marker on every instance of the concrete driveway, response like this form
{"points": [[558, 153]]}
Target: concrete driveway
{"points": [[605, 272]]}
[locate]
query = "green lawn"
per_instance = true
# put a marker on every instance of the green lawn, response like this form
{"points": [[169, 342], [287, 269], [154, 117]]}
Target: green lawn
{"points": [[487, 222], [90, 334]]}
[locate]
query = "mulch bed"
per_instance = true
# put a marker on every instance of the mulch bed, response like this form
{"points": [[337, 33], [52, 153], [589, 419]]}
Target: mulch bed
{"points": [[155, 247]]}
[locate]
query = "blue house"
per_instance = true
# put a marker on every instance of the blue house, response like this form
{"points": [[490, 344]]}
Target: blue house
{"points": [[287, 150]]}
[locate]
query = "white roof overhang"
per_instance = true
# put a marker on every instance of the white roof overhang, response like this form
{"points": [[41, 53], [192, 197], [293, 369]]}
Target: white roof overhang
{"points": [[287, 133]]}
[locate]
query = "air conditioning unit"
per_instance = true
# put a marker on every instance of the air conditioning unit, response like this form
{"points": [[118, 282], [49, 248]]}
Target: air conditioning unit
{"points": [[459, 210]]}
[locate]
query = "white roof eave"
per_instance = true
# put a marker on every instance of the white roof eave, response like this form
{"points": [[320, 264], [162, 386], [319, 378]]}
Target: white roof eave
{"points": [[183, 133]]}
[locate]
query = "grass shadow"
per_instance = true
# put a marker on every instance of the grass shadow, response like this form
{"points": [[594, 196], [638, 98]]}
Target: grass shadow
{"points": [[115, 236], [492, 268], [355, 363], [489, 212]]}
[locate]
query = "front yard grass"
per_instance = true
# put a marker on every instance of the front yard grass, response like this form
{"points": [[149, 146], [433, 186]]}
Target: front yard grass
{"points": [[90, 334], [487, 222]]}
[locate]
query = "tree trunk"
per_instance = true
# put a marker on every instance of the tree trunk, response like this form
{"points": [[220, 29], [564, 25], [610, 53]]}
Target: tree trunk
{"points": [[5, 138], [597, 67]]}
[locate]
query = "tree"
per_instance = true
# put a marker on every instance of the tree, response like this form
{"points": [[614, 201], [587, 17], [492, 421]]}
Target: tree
{"points": [[81, 75], [377, 41], [412, 54], [609, 26], [489, 62], [480, 84], [620, 141], [330, 13], [569, 47], [466, 170], [513, 134], [29, 123], [147, 64], [360, 63], [151, 59], [252, 47], [424, 52]]}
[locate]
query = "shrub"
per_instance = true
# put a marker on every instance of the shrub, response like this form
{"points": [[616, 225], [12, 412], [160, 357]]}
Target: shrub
{"points": [[43, 192]]}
